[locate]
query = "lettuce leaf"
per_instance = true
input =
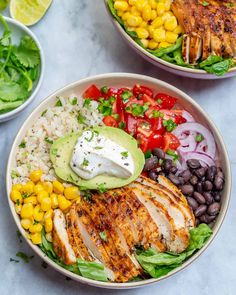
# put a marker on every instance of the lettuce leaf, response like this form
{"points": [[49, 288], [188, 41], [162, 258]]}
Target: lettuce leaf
{"points": [[159, 264], [218, 68], [163, 51]]}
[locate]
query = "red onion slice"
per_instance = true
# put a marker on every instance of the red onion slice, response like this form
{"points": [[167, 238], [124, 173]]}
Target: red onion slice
{"points": [[196, 127], [203, 158], [187, 116], [188, 144]]}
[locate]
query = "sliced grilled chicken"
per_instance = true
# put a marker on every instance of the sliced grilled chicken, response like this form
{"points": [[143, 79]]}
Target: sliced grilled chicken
{"points": [[209, 29], [61, 244]]}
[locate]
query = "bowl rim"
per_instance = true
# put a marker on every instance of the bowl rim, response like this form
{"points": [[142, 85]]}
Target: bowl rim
{"points": [[93, 79], [156, 59], [14, 112]]}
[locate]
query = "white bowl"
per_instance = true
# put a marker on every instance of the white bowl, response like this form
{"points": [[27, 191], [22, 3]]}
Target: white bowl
{"points": [[19, 30], [124, 80], [172, 68]]}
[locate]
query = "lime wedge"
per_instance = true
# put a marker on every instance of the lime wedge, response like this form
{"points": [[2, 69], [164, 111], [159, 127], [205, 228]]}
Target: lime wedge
{"points": [[29, 12]]}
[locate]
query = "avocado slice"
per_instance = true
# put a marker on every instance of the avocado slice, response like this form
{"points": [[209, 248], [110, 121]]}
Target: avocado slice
{"points": [[62, 149]]}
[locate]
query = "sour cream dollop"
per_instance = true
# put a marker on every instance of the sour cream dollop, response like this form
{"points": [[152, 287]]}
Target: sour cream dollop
{"points": [[94, 154]]}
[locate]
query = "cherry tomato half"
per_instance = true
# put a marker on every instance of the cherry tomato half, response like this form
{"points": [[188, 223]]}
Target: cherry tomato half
{"points": [[92, 92], [155, 140], [165, 101], [171, 142], [110, 121], [140, 89]]}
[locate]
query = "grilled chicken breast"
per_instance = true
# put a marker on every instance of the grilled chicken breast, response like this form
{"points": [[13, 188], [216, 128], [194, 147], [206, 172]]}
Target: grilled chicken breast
{"points": [[210, 28], [109, 228]]}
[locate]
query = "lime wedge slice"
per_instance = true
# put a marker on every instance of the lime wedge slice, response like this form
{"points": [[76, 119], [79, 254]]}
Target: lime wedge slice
{"points": [[29, 12]]}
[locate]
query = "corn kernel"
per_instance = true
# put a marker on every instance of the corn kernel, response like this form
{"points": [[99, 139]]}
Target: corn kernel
{"points": [[160, 8], [178, 30], [42, 195], [134, 21], [143, 24], [153, 4], [17, 187], [152, 44], [144, 42], [142, 33], [132, 2], [167, 5], [125, 16], [48, 214], [158, 22], [48, 187], [36, 238], [153, 14], [26, 223], [140, 4], [146, 12], [167, 15], [170, 24], [38, 213], [48, 225], [38, 188], [27, 211], [18, 208], [63, 203], [46, 204], [36, 175], [35, 228], [159, 35], [134, 11], [72, 192], [16, 196], [58, 187], [171, 37], [54, 201], [32, 200], [151, 30], [121, 5], [49, 237], [28, 188], [164, 45]]}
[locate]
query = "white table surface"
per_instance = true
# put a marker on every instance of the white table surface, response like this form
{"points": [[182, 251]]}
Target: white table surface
{"points": [[79, 41]]}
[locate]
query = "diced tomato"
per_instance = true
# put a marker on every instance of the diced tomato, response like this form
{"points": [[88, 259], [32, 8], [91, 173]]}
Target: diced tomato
{"points": [[120, 108], [110, 121], [131, 124], [140, 90], [150, 111], [180, 120], [156, 124], [111, 92], [92, 92], [171, 142], [175, 115], [155, 140], [165, 101], [143, 142], [144, 127], [147, 98]]}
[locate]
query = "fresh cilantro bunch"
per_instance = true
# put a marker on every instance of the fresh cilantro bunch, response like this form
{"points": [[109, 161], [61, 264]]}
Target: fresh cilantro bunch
{"points": [[19, 68]]}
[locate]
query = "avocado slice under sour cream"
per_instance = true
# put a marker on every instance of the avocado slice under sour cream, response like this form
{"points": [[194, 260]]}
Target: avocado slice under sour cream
{"points": [[62, 151], [94, 154]]}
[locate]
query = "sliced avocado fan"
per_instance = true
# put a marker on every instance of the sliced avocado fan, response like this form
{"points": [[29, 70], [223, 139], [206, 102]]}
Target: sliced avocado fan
{"points": [[62, 149]]}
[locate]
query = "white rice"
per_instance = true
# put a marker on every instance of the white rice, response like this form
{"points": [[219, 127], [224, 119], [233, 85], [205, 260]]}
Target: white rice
{"points": [[54, 123]]}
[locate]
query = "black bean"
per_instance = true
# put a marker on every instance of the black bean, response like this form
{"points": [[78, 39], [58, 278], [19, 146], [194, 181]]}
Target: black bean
{"points": [[187, 189], [175, 179], [193, 180], [173, 169], [197, 221], [199, 187], [200, 172], [150, 163], [186, 174], [213, 209], [218, 182], [199, 198], [159, 153], [167, 165], [211, 173], [192, 203], [207, 186], [153, 175], [200, 210], [208, 197], [206, 218], [193, 164], [217, 196]]}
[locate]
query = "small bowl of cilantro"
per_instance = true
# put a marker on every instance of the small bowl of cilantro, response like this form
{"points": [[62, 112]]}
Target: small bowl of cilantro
{"points": [[21, 67]]}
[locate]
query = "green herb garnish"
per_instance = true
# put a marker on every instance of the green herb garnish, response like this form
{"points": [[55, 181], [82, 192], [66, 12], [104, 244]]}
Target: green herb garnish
{"points": [[204, 3], [139, 110], [87, 102], [74, 101], [199, 138], [90, 138], [48, 140], [22, 144], [173, 154], [85, 162], [98, 148], [147, 154], [19, 235], [24, 257], [124, 154], [122, 125], [101, 188], [43, 113], [169, 124], [58, 103], [14, 174], [126, 95], [80, 118], [14, 260], [104, 89], [103, 236], [115, 116]]}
